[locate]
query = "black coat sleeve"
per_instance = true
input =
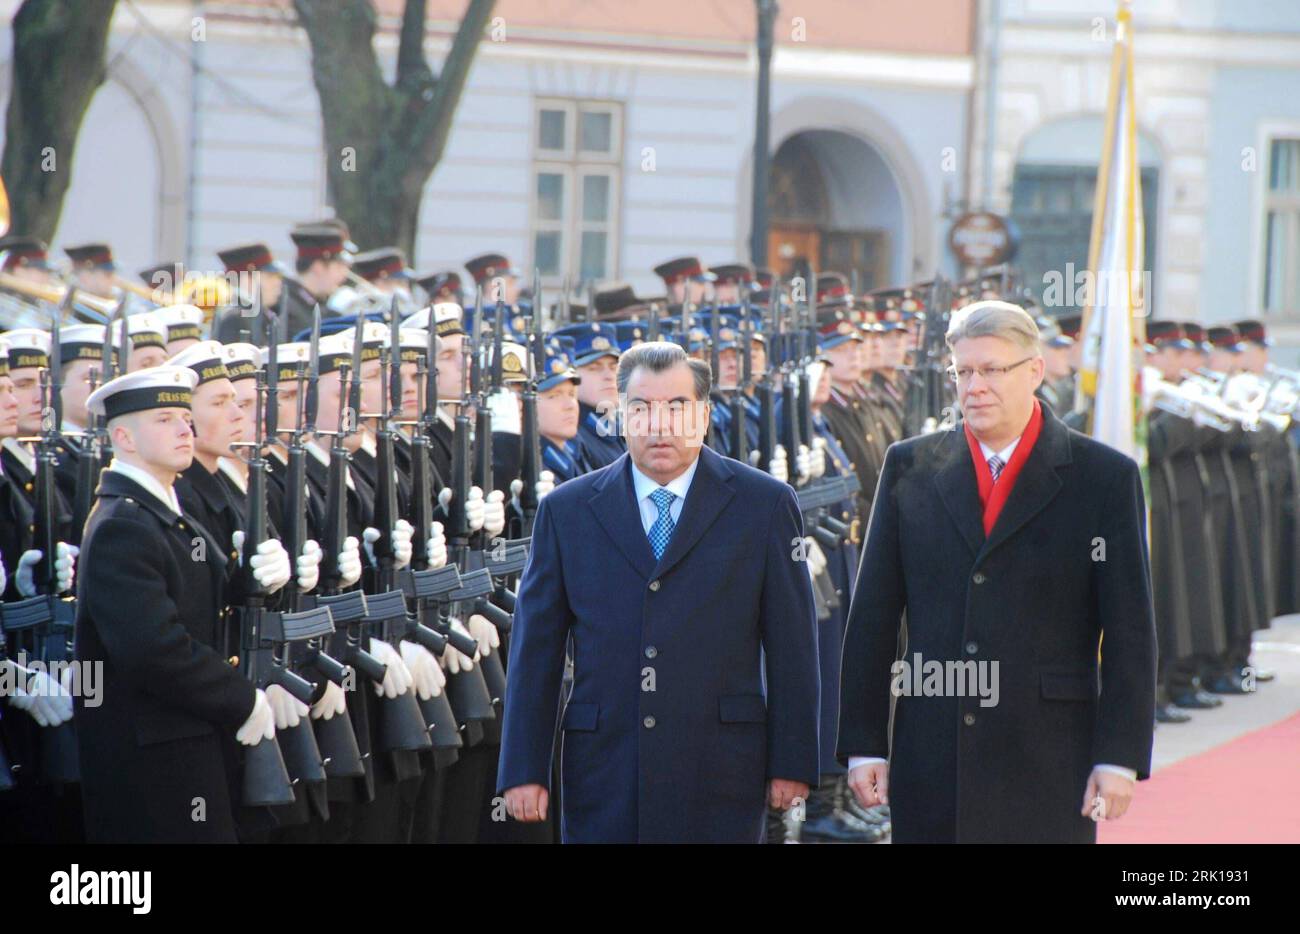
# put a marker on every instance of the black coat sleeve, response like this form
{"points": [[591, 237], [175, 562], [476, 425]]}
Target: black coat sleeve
{"points": [[138, 623]]}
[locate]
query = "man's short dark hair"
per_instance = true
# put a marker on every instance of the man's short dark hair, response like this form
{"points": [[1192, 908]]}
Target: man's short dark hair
{"points": [[657, 356]]}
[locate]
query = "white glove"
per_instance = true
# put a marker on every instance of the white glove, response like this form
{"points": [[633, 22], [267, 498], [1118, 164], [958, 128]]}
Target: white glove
{"points": [[473, 506], [332, 703], [816, 558], [435, 549], [270, 565], [779, 467], [802, 467], [47, 701], [397, 679], [287, 709], [308, 566], [65, 568], [474, 509], [817, 459], [504, 406], [4, 578], [485, 633], [400, 537], [402, 534], [454, 661], [545, 483], [349, 561], [494, 514], [260, 724], [427, 676]]}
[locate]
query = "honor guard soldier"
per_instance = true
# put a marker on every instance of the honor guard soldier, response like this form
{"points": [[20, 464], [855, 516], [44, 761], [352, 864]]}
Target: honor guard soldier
{"points": [[261, 279], [734, 281], [159, 755], [840, 341], [148, 341], [81, 348], [558, 414], [95, 272], [182, 326], [32, 810], [1058, 378], [595, 358], [446, 318]]}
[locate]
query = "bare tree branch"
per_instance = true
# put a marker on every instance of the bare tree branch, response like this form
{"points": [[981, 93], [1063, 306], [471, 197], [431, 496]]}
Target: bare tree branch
{"points": [[58, 64], [397, 133]]}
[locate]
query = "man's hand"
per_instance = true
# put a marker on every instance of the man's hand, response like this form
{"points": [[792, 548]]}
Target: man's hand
{"points": [[783, 793], [1107, 796], [528, 803], [870, 784]]}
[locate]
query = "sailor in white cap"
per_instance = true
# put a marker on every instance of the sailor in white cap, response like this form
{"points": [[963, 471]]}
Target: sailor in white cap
{"points": [[149, 614], [148, 337], [182, 325]]}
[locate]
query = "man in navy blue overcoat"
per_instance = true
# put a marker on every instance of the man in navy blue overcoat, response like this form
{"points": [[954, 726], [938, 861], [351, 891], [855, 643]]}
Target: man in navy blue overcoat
{"points": [[695, 692]]}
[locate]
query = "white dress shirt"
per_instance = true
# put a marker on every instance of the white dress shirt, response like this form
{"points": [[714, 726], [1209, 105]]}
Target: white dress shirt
{"points": [[1005, 455], [164, 495], [644, 486]]}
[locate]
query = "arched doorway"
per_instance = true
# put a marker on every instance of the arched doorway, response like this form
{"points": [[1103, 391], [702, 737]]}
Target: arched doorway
{"points": [[833, 199]]}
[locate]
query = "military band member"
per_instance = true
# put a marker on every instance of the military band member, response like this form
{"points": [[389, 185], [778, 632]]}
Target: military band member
{"points": [[441, 287], [490, 269], [260, 279], [685, 280], [321, 269]]}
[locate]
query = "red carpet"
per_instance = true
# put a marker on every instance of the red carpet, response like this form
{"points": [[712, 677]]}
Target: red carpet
{"points": [[1245, 791]]}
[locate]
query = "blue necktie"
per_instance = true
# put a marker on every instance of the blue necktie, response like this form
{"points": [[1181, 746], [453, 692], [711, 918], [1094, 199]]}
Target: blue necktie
{"points": [[995, 467], [662, 530]]}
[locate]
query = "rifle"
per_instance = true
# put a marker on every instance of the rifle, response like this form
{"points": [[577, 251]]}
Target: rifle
{"points": [[789, 430], [426, 586], [470, 696], [402, 725], [739, 437], [927, 385], [471, 558], [335, 738], [262, 658], [767, 386], [531, 458]]}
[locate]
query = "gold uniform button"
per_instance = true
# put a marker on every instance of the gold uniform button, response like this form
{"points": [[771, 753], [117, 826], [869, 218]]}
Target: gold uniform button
{"points": [[654, 585]]}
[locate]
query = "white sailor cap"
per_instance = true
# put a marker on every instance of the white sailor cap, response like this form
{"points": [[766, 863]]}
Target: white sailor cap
{"points": [[447, 318], [28, 347], [242, 360], [180, 321], [144, 330], [81, 342], [155, 387], [206, 358], [287, 357]]}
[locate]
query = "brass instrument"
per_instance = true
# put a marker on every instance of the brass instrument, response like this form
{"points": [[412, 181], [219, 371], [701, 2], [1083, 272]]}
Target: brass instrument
{"points": [[54, 294], [156, 296]]}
